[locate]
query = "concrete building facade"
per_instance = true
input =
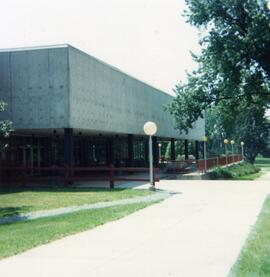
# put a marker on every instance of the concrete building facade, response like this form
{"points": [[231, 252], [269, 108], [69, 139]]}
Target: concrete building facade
{"points": [[67, 106]]}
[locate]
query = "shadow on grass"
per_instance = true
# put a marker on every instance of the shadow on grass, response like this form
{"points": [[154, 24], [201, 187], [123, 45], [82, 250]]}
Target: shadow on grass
{"points": [[58, 189], [13, 211]]}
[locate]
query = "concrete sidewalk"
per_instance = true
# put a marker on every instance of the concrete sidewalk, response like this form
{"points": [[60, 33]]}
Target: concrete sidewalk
{"points": [[198, 232]]}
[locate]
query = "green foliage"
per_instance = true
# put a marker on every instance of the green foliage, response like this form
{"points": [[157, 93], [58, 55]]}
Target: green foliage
{"points": [[220, 173], [233, 172], [215, 132], [168, 152], [233, 75], [5, 125], [250, 125], [179, 149]]}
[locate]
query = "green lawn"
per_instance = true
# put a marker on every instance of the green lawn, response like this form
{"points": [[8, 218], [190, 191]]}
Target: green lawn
{"points": [[254, 260], [20, 236], [263, 163], [17, 202]]}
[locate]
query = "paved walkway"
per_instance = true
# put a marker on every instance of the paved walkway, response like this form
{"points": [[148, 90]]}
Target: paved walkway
{"points": [[196, 233], [265, 176], [100, 205]]}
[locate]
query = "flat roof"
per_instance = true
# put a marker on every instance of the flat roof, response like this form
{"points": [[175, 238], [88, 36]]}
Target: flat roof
{"points": [[66, 45]]}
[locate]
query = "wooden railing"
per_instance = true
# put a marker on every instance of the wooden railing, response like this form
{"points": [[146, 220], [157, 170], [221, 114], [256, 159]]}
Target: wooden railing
{"points": [[181, 166], [218, 161], [67, 175]]}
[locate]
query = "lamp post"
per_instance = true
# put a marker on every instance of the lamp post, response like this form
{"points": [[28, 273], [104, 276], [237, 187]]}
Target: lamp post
{"points": [[159, 151], [226, 141], [232, 143], [242, 148], [204, 138], [150, 128]]}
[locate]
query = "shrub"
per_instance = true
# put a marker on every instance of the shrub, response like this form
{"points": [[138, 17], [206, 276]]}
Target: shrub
{"points": [[233, 171]]}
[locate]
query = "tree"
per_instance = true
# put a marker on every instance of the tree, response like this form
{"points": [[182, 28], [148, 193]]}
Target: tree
{"points": [[5, 125], [250, 126], [179, 149], [215, 132], [234, 64]]}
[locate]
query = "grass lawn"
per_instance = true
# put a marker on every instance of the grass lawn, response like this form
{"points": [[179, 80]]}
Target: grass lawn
{"points": [[254, 260], [263, 163], [20, 236], [22, 201]]}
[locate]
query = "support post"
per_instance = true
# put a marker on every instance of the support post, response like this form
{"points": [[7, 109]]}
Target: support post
{"points": [[172, 149], [155, 151], [81, 151], [186, 149], [109, 151], [197, 150], [48, 151], [68, 149], [146, 152], [68, 146], [204, 155], [151, 163], [111, 176], [66, 175], [130, 150]]}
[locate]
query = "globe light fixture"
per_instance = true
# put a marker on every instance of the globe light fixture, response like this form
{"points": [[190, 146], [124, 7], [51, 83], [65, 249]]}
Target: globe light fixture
{"points": [[150, 129], [232, 143], [242, 148], [205, 138], [226, 141]]}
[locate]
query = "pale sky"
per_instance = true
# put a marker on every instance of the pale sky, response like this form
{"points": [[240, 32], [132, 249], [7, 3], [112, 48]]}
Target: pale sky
{"points": [[148, 39]]}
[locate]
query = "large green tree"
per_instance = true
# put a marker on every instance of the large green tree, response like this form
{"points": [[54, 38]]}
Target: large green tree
{"points": [[250, 125], [234, 64]]}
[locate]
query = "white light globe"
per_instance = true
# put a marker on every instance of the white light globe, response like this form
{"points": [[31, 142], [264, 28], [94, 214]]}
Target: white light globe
{"points": [[205, 138], [232, 141], [242, 143], [150, 128]]}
